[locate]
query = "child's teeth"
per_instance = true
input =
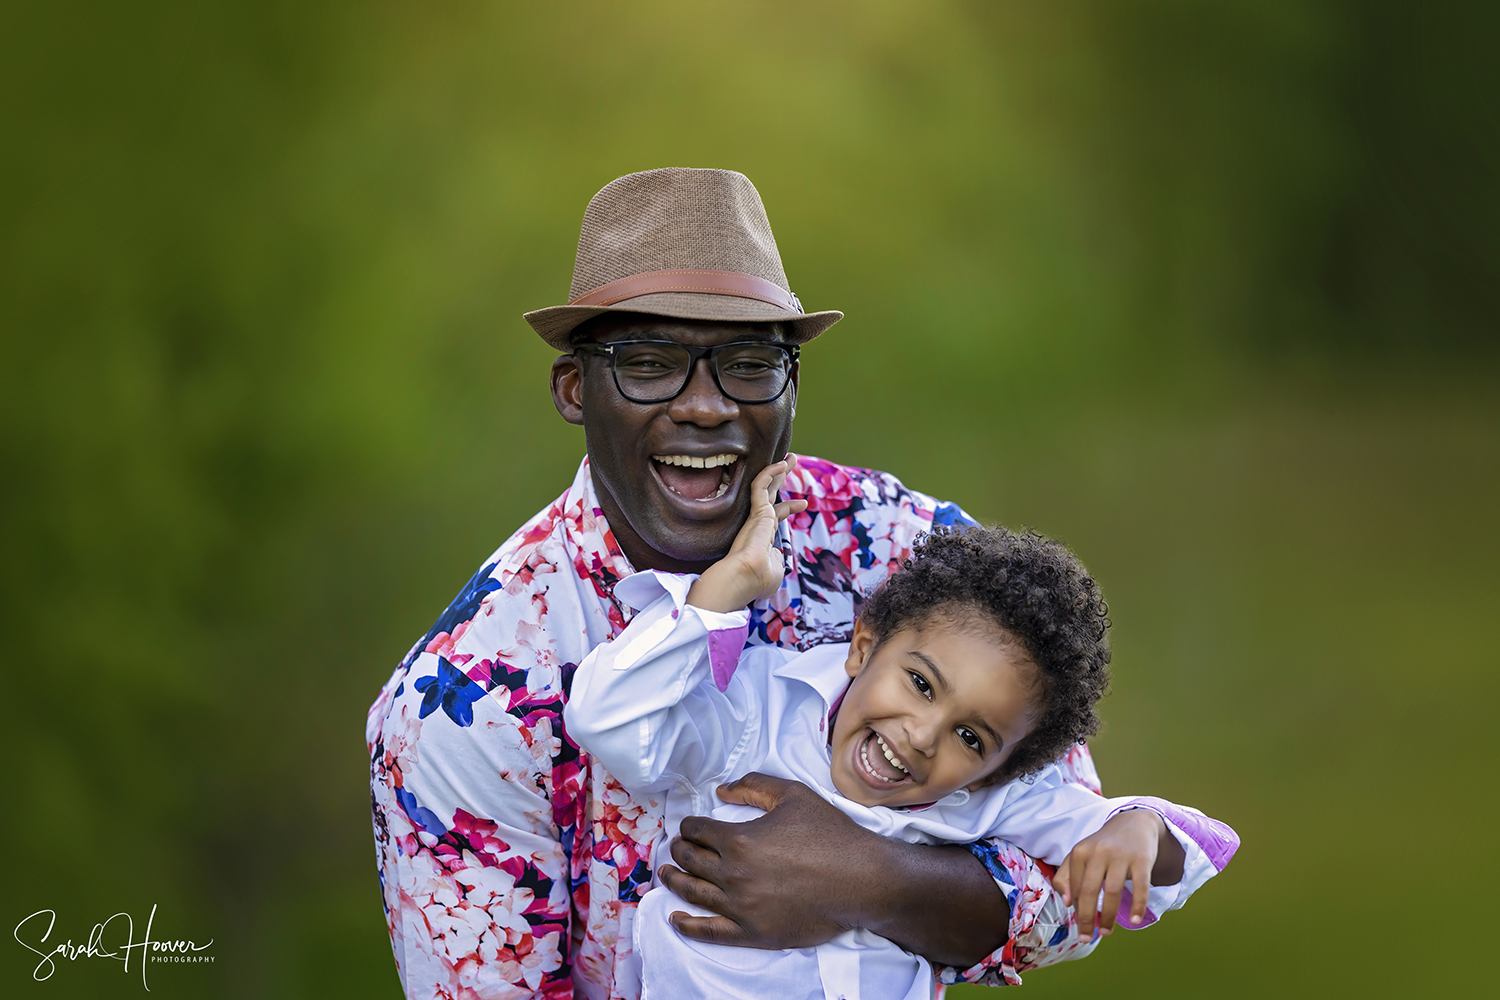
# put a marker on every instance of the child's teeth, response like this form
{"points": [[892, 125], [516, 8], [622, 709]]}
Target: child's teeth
{"points": [[890, 756], [864, 753]]}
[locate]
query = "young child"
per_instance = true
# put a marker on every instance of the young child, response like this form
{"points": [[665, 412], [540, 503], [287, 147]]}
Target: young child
{"points": [[970, 672]]}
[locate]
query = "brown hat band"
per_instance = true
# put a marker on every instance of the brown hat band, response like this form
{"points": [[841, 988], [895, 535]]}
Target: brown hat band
{"points": [[690, 279]]}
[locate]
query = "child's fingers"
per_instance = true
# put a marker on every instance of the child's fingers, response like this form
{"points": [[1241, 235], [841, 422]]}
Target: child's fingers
{"points": [[767, 484], [1114, 889], [759, 529], [1086, 898], [760, 486], [776, 480], [1061, 882], [784, 468], [1140, 891], [789, 464], [787, 508]]}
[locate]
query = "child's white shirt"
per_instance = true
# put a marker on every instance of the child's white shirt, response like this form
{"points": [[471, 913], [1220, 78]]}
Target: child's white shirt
{"points": [[667, 710]]}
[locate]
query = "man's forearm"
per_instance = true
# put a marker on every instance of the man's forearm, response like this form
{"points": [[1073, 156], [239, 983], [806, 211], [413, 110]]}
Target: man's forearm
{"points": [[938, 902]]}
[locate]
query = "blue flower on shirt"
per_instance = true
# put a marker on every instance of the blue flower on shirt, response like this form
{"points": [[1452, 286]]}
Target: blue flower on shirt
{"points": [[461, 609], [420, 816], [989, 856], [451, 689], [949, 514], [634, 881]]}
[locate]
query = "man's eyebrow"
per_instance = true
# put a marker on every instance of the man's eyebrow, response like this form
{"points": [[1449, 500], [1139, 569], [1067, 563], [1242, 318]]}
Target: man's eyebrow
{"points": [[927, 661]]}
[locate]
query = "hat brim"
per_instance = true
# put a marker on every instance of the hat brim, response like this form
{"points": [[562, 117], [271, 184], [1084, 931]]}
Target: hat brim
{"points": [[555, 323]]}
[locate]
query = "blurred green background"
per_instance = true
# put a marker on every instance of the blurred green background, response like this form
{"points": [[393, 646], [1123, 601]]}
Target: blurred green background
{"points": [[1207, 290]]}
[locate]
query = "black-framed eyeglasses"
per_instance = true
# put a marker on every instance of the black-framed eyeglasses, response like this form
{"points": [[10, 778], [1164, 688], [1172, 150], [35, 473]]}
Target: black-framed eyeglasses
{"points": [[654, 371]]}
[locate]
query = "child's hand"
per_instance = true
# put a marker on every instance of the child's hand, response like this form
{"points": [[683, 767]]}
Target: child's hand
{"points": [[1125, 848], [753, 568]]}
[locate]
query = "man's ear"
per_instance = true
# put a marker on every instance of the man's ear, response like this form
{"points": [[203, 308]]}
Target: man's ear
{"points": [[567, 388], [861, 645]]}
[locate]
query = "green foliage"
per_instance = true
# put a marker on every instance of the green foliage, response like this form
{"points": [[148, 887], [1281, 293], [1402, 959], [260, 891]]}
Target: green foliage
{"points": [[1208, 291]]}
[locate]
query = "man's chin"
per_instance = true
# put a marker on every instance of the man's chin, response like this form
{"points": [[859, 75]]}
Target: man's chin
{"points": [[695, 531], [677, 533], [684, 544]]}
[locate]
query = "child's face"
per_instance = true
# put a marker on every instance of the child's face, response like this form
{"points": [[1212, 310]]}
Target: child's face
{"points": [[948, 700]]}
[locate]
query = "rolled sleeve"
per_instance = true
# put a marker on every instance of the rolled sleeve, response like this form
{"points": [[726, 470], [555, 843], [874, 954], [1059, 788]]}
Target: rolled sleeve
{"points": [[726, 632], [1207, 846], [1042, 929]]}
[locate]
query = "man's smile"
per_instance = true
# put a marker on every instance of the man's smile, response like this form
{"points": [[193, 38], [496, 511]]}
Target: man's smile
{"points": [[673, 476], [702, 486]]}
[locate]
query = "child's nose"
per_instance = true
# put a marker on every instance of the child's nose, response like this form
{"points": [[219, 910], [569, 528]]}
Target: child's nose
{"points": [[922, 736]]}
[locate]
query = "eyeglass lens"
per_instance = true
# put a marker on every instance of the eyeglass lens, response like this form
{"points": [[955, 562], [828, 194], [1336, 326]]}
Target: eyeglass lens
{"points": [[748, 373]]}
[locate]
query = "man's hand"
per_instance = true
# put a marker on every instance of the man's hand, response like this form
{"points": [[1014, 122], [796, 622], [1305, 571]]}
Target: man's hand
{"points": [[1134, 845], [777, 878], [753, 567], [804, 873]]}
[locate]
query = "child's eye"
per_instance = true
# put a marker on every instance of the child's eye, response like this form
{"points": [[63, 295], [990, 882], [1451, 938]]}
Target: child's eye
{"points": [[923, 688], [971, 739]]}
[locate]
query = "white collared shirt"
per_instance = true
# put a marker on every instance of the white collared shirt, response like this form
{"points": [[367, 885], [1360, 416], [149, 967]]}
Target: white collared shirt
{"points": [[669, 711]]}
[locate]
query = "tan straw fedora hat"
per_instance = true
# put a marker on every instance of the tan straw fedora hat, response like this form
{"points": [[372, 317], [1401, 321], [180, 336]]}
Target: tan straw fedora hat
{"points": [[689, 244]]}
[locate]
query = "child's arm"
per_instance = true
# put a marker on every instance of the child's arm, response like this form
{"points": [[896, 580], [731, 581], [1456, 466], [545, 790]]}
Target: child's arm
{"points": [[654, 705], [1103, 843], [753, 568], [1173, 849]]}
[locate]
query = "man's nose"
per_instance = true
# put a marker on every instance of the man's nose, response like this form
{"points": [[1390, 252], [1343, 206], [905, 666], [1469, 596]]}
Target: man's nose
{"points": [[701, 402]]}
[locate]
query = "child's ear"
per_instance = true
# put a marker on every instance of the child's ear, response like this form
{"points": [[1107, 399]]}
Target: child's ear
{"points": [[861, 645]]}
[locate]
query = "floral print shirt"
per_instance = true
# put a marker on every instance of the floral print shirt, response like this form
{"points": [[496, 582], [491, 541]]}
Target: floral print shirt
{"points": [[510, 863]]}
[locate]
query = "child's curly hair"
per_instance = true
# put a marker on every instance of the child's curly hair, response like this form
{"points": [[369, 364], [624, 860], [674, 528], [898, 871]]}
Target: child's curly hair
{"points": [[1038, 593]]}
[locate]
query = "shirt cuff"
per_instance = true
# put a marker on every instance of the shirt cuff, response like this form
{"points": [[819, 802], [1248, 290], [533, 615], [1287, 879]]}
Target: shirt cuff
{"points": [[727, 632], [1207, 846]]}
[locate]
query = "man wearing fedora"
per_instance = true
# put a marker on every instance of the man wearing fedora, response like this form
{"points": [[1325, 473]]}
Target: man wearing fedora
{"points": [[510, 864]]}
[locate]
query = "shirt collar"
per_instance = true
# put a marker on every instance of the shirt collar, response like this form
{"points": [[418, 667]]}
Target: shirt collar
{"points": [[598, 555], [822, 669]]}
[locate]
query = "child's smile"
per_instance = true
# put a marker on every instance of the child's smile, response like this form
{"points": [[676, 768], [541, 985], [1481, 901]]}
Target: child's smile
{"points": [[879, 765], [931, 710]]}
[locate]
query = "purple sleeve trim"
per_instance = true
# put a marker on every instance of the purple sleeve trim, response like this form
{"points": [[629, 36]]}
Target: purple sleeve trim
{"points": [[1215, 839], [724, 646], [1122, 915]]}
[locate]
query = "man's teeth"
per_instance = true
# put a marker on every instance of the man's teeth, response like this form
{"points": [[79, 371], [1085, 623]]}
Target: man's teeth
{"points": [[890, 756], [695, 462], [712, 462]]}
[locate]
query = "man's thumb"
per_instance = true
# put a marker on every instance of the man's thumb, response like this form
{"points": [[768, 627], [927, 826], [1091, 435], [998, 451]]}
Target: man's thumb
{"points": [[755, 789]]}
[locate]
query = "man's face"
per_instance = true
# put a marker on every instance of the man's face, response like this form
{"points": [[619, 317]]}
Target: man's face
{"points": [[666, 511]]}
